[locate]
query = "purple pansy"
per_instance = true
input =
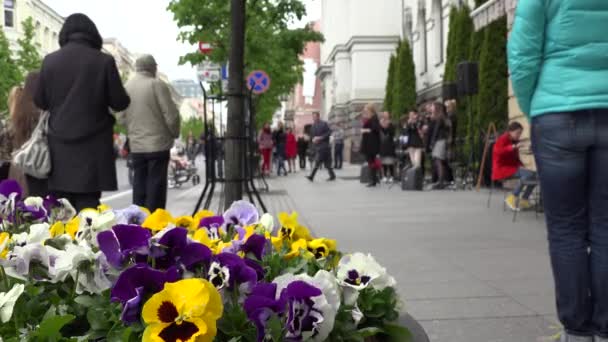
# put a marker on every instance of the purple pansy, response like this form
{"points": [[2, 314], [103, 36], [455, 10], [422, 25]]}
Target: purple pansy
{"points": [[261, 304], [259, 270], [175, 248], [135, 284], [122, 242], [242, 213], [9, 187], [230, 270], [302, 315], [256, 245], [211, 222], [10, 194], [131, 215]]}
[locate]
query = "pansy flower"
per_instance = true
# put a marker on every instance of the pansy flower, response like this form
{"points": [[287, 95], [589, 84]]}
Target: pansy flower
{"points": [[87, 268], [41, 258], [92, 222], [59, 209], [159, 220], [123, 242], [184, 222], [131, 215], [8, 301], [291, 229], [321, 248], [137, 283], [242, 214], [261, 304], [173, 247], [185, 311], [70, 228], [228, 270], [32, 209], [5, 238], [10, 194], [313, 303], [359, 271]]}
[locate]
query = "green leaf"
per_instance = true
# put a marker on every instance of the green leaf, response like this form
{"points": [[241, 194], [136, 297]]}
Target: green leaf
{"points": [[86, 301], [50, 327], [397, 333], [275, 327], [369, 332]]}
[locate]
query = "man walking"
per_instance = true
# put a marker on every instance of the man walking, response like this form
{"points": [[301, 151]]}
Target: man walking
{"points": [[153, 123], [338, 137], [320, 133]]}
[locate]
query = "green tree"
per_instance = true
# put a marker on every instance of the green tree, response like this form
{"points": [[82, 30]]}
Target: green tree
{"points": [[404, 89], [9, 74], [28, 57], [459, 39], [270, 44], [390, 82], [194, 125], [492, 101]]}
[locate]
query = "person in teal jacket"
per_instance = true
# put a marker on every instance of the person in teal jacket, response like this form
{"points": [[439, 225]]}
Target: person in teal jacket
{"points": [[558, 58]]}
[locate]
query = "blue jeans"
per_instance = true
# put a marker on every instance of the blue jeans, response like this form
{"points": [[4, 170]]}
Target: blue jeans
{"points": [[524, 175], [571, 151]]}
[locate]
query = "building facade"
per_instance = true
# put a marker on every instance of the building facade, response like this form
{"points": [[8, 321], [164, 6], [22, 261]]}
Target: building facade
{"points": [[307, 96], [188, 88], [125, 60], [47, 23], [360, 37]]}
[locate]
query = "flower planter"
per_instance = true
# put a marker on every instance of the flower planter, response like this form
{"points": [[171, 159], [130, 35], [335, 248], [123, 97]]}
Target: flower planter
{"points": [[235, 276]]}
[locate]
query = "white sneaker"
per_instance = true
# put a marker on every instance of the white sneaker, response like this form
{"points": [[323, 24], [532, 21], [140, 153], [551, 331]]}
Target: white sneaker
{"points": [[391, 180], [384, 180], [572, 338]]}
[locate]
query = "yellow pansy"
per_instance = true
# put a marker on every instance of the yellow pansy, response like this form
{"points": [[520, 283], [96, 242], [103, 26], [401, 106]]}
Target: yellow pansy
{"points": [[185, 311], [158, 221], [321, 248], [202, 236], [184, 222], [299, 248], [103, 207], [71, 228], [291, 229], [5, 238], [146, 211]]}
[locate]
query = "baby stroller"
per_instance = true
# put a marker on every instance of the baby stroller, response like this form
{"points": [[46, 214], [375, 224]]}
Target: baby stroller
{"points": [[181, 170]]}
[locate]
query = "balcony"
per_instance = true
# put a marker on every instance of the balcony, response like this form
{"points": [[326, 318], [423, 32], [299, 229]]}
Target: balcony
{"points": [[492, 11]]}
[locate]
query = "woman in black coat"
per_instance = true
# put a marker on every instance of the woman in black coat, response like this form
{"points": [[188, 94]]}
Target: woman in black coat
{"points": [[370, 141], [78, 85]]}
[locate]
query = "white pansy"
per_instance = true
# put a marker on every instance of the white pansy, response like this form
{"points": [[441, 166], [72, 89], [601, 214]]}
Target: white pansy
{"points": [[65, 212], [36, 202], [267, 221], [39, 233], [359, 271], [19, 261], [92, 223], [8, 300], [327, 303]]}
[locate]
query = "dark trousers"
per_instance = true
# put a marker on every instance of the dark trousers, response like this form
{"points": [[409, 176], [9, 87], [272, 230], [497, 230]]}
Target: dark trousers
{"points": [[338, 155], [150, 179], [80, 201], [302, 158], [571, 151], [37, 187], [323, 158]]}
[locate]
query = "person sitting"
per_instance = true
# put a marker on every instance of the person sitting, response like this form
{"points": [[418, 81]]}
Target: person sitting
{"points": [[506, 164]]}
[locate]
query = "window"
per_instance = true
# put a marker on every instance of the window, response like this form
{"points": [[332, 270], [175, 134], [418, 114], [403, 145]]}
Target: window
{"points": [[423, 39], [438, 31], [9, 13]]}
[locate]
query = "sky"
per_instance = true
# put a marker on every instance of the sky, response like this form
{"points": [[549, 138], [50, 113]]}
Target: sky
{"points": [[145, 26]]}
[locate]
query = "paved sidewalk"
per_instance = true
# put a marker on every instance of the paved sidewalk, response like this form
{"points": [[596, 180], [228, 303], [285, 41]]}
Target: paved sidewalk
{"points": [[468, 273]]}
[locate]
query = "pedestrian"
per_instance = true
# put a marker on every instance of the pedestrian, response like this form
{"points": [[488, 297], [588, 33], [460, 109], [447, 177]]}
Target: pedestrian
{"points": [[388, 149], [78, 85], [302, 151], [291, 149], [321, 134], [338, 138], [24, 118], [438, 131], [153, 123], [506, 164], [192, 147], [265, 145], [370, 142], [413, 129], [557, 60], [280, 142]]}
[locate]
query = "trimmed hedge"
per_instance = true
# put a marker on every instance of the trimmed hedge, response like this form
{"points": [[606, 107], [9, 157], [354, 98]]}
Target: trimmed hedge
{"points": [[404, 88]]}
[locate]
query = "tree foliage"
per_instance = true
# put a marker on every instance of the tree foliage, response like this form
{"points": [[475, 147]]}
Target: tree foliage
{"points": [[9, 73], [492, 101], [28, 57], [194, 125], [404, 89], [271, 45], [459, 39], [390, 83]]}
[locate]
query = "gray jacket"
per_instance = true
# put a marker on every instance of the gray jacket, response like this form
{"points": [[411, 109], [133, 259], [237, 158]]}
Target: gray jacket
{"points": [[152, 120], [321, 130]]}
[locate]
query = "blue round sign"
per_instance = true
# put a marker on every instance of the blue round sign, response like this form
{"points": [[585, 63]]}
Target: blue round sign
{"points": [[258, 82]]}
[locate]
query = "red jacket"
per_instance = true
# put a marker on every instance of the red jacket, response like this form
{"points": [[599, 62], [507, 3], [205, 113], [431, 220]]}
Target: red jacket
{"points": [[291, 146], [505, 158]]}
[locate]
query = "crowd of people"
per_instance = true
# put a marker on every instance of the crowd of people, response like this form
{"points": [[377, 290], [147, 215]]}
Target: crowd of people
{"points": [[81, 89], [389, 148]]}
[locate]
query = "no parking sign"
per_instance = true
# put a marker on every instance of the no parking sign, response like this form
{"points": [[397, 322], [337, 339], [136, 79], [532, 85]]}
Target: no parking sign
{"points": [[258, 82]]}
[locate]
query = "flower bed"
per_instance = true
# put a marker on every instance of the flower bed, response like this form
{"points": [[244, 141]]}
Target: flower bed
{"points": [[129, 275]]}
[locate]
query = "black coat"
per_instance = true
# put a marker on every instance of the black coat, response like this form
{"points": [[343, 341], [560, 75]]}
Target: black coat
{"points": [[370, 143], [78, 86], [387, 141]]}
